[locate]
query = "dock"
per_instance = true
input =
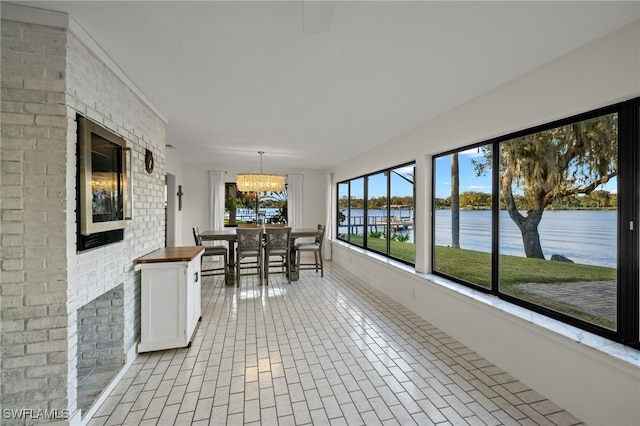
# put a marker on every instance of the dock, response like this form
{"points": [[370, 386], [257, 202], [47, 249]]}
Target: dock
{"points": [[396, 224]]}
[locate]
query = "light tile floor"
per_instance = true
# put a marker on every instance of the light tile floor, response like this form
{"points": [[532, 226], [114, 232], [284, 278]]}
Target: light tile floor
{"points": [[321, 351]]}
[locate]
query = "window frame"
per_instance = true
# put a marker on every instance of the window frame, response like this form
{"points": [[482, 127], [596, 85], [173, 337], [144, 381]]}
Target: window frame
{"points": [[365, 180], [256, 199], [628, 259]]}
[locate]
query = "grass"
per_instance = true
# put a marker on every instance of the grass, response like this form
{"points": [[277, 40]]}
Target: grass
{"points": [[400, 250], [475, 267]]}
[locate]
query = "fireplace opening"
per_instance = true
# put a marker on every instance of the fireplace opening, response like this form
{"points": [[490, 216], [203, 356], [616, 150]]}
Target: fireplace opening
{"points": [[100, 345]]}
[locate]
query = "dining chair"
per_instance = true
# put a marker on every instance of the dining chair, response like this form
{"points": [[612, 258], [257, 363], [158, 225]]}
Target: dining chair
{"points": [[314, 247], [213, 251], [249, 245], [277, 244]]}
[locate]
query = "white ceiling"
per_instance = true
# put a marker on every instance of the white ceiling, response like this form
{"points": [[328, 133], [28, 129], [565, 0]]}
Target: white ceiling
{"points": [[313, 84]]}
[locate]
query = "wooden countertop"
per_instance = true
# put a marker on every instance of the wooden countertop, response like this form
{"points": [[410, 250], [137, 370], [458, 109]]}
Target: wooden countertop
{"points": [[171, 254]]}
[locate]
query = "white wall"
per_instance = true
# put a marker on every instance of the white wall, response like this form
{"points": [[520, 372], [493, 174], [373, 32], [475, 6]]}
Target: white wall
{"points": [[174, 216], [194, 179], [596, 387], [50, 74], [96, 271]]}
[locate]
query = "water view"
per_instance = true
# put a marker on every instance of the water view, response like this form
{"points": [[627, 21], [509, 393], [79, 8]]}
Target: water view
{"points": [[249, 215], [587, 237], [376, 218], [584, 236]]}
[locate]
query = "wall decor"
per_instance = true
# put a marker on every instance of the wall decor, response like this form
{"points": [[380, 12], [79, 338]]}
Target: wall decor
{"points": [[148, 161], [102, 178], [180, 194]]}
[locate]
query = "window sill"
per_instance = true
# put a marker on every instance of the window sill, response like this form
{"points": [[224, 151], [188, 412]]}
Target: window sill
{"points": [[599, 343]]}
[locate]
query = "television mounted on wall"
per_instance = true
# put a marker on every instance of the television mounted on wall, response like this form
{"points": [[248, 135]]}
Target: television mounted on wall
{"points": [[102, 160]]}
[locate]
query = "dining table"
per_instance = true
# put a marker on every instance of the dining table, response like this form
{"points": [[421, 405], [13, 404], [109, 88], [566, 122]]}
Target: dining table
{"points": [[229, 235]]}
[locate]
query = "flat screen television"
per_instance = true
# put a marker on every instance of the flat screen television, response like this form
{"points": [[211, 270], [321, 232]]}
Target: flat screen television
{"points": [[102, 179]]}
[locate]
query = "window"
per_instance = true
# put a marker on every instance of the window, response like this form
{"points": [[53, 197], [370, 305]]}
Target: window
{"points": [[376, 212], [400, 212], [343, 211], [462, 216], [558, 192], [377, 218], [355, 212], [547, 218], [241, 207]]}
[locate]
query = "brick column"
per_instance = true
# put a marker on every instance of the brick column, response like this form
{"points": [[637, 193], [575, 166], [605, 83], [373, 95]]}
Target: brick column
{"points": [[33, 309]]}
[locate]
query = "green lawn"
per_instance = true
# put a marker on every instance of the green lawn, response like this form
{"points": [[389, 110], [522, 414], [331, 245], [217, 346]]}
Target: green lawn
{"points": [[405, 251], [475, 267]]}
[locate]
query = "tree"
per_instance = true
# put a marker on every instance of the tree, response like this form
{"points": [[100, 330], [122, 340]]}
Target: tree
{"points": [[455, 201], [553, 164], [276, 200], [475, 199], [231, 201], [343, 202]]}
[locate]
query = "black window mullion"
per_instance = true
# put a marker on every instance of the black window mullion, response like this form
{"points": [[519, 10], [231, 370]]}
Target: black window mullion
{"points": [[388, 236], [433, 212], [495, 219], [628, 201], [365, 210], [350, 210]]}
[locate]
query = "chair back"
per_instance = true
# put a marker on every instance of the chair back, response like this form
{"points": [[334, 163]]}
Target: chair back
{"points": [[320, 236], [315, 248], [249, 240], [247, 225], [196, 237], [277, 240]]}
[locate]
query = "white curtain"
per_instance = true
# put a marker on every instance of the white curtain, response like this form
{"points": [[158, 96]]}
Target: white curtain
{"points": [[216, 198], [326, 247], [294, 201]]}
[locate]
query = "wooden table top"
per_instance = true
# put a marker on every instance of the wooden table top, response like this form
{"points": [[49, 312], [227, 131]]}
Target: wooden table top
{"points": [[172, 254]]}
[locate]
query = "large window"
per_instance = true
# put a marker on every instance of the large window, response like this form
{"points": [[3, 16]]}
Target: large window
{"points": [[249, 207], [547, 218], [376, 212], [462, 216]]}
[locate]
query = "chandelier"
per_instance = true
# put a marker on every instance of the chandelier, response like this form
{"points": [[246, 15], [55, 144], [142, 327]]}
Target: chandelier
{"points": [[259, 182]]}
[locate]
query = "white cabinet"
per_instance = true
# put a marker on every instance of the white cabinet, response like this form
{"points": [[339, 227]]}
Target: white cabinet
{"points": [[171, 304]]}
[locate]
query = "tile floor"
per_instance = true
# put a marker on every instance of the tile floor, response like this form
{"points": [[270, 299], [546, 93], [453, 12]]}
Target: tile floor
{"points": [[319, 351]]}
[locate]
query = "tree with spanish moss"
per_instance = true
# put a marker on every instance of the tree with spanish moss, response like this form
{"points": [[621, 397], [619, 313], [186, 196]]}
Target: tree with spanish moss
{"points": [[550, 165]]}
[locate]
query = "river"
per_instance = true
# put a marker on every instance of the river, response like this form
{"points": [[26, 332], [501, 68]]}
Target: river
{"points": [[585, 236]]}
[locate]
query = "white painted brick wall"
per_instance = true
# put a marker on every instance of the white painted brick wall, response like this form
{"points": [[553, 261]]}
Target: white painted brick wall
{"points": [[95, 92], [49, 75], [101, 331], [34, 304]]}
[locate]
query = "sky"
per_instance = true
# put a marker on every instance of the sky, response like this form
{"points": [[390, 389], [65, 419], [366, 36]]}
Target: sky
{"points": [[377, 187], [469, 181]]}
